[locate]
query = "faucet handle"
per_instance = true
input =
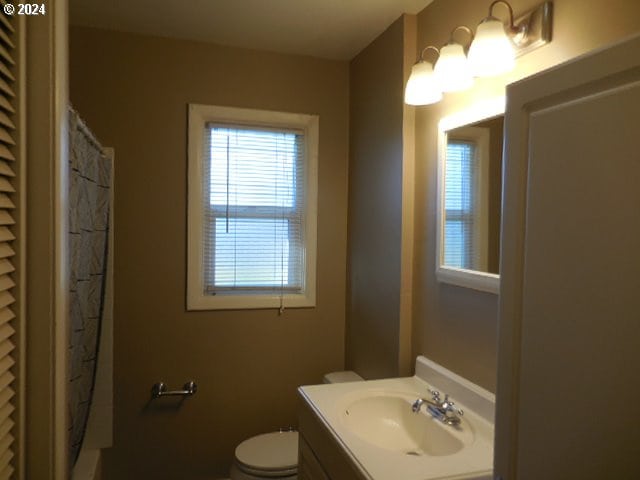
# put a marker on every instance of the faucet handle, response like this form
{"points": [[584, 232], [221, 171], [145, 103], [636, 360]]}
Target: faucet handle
{"points": [[415, 406], [447, 405]]}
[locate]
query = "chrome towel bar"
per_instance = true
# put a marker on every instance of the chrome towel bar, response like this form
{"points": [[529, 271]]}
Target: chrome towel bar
{"points": [[160, 390]]}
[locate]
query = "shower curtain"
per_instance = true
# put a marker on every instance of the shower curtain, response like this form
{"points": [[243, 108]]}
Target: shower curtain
{"points": [[89, 198]]}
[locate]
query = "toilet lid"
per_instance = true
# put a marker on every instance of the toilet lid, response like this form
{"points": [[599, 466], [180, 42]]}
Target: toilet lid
{"points": [[269, 452]]}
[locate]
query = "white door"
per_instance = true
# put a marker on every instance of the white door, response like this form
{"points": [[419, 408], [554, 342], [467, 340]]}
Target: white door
{"points": [[568, 399]]}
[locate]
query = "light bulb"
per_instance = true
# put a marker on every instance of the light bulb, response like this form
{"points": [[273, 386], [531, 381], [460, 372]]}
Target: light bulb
{"points": [[492, 52], [422, 87], [452, 69]]}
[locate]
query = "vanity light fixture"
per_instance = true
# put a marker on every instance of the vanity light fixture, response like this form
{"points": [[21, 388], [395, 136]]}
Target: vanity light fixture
{"points": [[452, 68], [492, 52], [422, 87]]}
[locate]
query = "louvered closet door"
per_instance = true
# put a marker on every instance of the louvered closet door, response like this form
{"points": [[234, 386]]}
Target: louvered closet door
{"points": [[7, 193]]}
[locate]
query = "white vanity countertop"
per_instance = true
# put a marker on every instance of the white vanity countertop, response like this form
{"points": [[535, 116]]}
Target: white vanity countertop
{"points": [[334, 405]]}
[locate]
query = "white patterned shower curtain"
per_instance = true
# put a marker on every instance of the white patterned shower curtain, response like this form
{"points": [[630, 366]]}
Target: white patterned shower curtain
{"points": [[89, 198]]}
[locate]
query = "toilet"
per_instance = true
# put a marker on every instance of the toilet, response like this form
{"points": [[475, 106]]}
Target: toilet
{"points": [[274, 456]]}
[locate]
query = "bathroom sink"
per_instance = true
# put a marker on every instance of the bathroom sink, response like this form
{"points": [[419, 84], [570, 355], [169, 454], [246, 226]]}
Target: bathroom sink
{"points": [[385, 419], [373, 423]]}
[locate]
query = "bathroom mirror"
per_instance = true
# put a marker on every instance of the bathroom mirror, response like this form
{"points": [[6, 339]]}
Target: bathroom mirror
{"points": [[469, 196]]}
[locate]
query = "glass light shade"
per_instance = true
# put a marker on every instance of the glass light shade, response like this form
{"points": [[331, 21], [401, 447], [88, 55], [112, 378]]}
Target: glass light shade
{"points": [[422, 87], [492, 52], [452, 69]]}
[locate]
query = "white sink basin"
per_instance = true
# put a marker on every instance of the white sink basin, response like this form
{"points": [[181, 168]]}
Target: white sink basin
{"points": [[385, 419], [373, 423]]}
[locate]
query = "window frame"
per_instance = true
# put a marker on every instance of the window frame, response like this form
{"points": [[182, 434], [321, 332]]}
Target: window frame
{"points": [[198, 117]]}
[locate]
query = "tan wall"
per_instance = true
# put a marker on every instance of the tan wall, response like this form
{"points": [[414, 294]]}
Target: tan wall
{"points": [[375, 205], [454, 326], [133, 91]]}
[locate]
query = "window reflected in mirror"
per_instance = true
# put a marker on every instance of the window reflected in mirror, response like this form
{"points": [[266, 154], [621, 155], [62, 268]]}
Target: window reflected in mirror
{"points": [[472, 190]]}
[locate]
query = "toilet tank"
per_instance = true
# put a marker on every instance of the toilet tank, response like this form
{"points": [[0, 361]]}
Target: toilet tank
{"points": [[342, 377]]}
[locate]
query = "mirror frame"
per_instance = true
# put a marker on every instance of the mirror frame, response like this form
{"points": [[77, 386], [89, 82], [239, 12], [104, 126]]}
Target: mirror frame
{"points": [[477, 280]]}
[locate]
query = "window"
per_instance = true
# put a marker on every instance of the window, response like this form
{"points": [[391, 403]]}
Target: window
{"points": [[465, 201], [459, 204], [252, 204]]}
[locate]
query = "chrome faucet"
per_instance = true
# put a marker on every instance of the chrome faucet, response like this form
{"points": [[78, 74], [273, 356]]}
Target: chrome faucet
{"points": [[441, 409]]}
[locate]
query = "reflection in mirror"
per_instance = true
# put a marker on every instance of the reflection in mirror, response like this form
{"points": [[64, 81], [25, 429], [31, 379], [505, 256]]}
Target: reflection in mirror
{"points": [[469, 195], [472, 188]]}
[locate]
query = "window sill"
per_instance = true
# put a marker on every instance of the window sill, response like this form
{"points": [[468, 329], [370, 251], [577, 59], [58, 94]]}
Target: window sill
{"points": [[483, 281], [248, 302]]}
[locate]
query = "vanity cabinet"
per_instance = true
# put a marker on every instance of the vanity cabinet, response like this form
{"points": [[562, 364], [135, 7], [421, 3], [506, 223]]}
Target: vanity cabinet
{"points": [[320, 457], [309, 467]]}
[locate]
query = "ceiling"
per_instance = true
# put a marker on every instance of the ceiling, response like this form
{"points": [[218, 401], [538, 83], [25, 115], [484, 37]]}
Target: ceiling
{"points": [[334, 29]]}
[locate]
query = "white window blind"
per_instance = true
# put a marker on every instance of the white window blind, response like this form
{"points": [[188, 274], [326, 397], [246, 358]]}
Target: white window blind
{"points": [[462, 171], [254, 206], [7, 194]]}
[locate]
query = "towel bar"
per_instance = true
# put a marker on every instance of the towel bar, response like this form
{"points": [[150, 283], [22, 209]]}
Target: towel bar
{"points": [[160, 390]]}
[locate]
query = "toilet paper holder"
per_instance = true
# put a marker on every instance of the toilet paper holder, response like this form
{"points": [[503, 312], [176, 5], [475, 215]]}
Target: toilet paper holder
{"points": [[160, 390]]}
